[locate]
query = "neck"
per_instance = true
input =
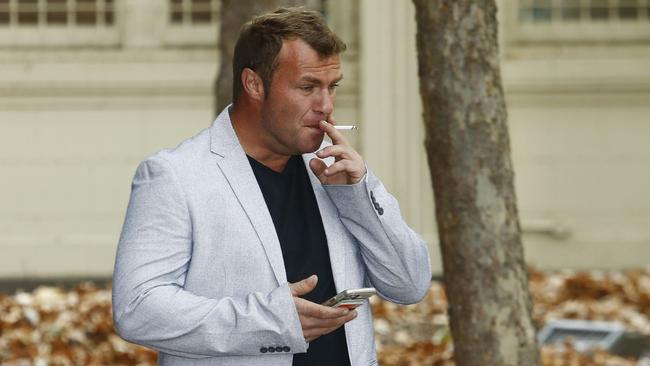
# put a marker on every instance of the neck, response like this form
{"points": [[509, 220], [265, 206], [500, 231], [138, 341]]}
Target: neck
{"points": [[246, 120]]}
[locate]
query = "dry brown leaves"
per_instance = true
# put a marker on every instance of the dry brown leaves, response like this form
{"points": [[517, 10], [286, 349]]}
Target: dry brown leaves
{"points": [[51, 326], [624, 297], [419, 334]]}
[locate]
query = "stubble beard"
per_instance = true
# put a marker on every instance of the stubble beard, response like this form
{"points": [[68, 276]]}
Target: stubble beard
{"points": [[273, 124]]}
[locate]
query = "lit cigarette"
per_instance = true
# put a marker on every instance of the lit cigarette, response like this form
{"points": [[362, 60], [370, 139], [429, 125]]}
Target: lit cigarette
{"points": [[351, 127]]}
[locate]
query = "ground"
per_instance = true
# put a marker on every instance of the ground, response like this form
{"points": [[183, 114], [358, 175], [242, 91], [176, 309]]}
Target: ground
{"points": [[53, 326]]}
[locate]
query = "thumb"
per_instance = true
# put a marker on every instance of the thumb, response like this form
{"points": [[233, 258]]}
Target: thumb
{"points": [[318, 167], [303, 287]]}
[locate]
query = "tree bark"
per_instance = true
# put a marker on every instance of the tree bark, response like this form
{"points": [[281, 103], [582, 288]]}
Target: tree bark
{"points": [[468, 152], [234, 13]]}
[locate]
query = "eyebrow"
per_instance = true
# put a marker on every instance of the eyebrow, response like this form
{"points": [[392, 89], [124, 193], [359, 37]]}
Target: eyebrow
{"points": [[311, 79]]}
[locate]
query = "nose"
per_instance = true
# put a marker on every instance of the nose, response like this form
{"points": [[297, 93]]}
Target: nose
{"points": [[325, 103]]}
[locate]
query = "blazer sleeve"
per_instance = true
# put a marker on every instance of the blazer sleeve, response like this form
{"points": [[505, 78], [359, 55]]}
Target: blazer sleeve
{"points": [[150, 305], [396, 258]]}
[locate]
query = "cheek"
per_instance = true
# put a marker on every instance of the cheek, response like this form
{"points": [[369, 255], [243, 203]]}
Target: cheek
{"points": [[303, 103], [276, 116]]}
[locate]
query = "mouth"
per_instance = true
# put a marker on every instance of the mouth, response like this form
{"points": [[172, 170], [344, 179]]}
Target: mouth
{"points": [[312, 122], [314, 132]]}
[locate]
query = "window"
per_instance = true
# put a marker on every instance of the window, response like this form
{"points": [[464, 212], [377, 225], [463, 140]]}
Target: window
{"points": [[581, 10], [580, 20], [191, 12], [56, 13], [192, 22], [25, 23]]}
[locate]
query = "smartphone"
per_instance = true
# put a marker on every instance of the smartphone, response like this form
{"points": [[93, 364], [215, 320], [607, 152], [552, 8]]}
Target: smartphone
{"points": [[351, 298]]}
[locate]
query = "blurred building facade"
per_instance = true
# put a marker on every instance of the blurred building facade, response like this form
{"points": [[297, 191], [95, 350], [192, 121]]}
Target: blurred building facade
{"points": [[88, 88]]}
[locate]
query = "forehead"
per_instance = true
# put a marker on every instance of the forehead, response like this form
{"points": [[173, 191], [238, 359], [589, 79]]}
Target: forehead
{"points": [[298, 58]]}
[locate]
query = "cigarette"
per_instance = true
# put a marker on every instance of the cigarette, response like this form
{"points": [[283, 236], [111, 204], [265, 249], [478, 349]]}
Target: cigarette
{"points": [[349, 127]]}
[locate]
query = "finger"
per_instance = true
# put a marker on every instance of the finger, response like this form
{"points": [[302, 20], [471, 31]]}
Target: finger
{"points": [[322, 329], [311, 309], [303, 287], [333, 133], [334, 322], [318, 167], [337, 151], [311, 334], [313, 323], [346, 166]]}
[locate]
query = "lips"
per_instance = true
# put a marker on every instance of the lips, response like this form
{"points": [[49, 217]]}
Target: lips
{"points": [[313, 121], [313, 125]]}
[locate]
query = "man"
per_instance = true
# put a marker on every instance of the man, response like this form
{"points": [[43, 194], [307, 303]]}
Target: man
{"points": [[231, 242]]}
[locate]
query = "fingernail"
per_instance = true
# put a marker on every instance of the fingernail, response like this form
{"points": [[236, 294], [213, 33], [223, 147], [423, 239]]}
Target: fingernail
{"points": [[326, 172]]}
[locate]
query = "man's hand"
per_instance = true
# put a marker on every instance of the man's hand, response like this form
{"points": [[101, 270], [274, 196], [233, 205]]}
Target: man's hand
{"points": [[316, 319], [348, 167]]}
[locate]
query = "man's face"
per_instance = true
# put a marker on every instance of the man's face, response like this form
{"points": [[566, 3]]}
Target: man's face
{"points": [[302, 93]]}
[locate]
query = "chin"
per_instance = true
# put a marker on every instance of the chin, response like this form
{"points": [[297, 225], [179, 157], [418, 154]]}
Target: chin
{"points": [[317, 144], [313, 145]]}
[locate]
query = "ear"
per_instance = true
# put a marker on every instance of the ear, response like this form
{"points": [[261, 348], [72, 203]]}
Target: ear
{"points": [[252, 84]]}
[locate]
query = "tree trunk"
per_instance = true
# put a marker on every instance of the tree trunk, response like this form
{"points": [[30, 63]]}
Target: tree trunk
{"points": [[469, 156], [234, 13]]}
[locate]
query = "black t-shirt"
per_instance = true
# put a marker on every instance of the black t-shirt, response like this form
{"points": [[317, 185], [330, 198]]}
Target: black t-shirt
{"points": [[290, 199]]}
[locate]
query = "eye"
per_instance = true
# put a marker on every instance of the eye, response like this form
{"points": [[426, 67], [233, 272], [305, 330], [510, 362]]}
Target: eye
{"points": [[306, 88]]}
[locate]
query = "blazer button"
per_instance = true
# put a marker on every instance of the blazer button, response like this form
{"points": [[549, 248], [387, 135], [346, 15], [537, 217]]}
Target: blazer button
{"points": [[271, 349], [264, 350], [380, 211], [278, 349], [286, 349]]}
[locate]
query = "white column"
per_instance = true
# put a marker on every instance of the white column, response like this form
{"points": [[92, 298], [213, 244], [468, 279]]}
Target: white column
{"points": [[392, 133], [142, 22], [343, 18]]}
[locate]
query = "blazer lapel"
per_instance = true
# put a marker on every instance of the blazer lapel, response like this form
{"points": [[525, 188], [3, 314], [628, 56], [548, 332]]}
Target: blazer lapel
{"points": [[235, 167], [334, 229]]}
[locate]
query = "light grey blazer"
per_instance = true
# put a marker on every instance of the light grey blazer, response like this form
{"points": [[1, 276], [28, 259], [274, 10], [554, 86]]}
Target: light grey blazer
{"points": [[199, 274]]}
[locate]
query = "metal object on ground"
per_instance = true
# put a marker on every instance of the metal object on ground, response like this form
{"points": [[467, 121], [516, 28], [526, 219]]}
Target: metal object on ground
{"points": [[587, 335]]}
